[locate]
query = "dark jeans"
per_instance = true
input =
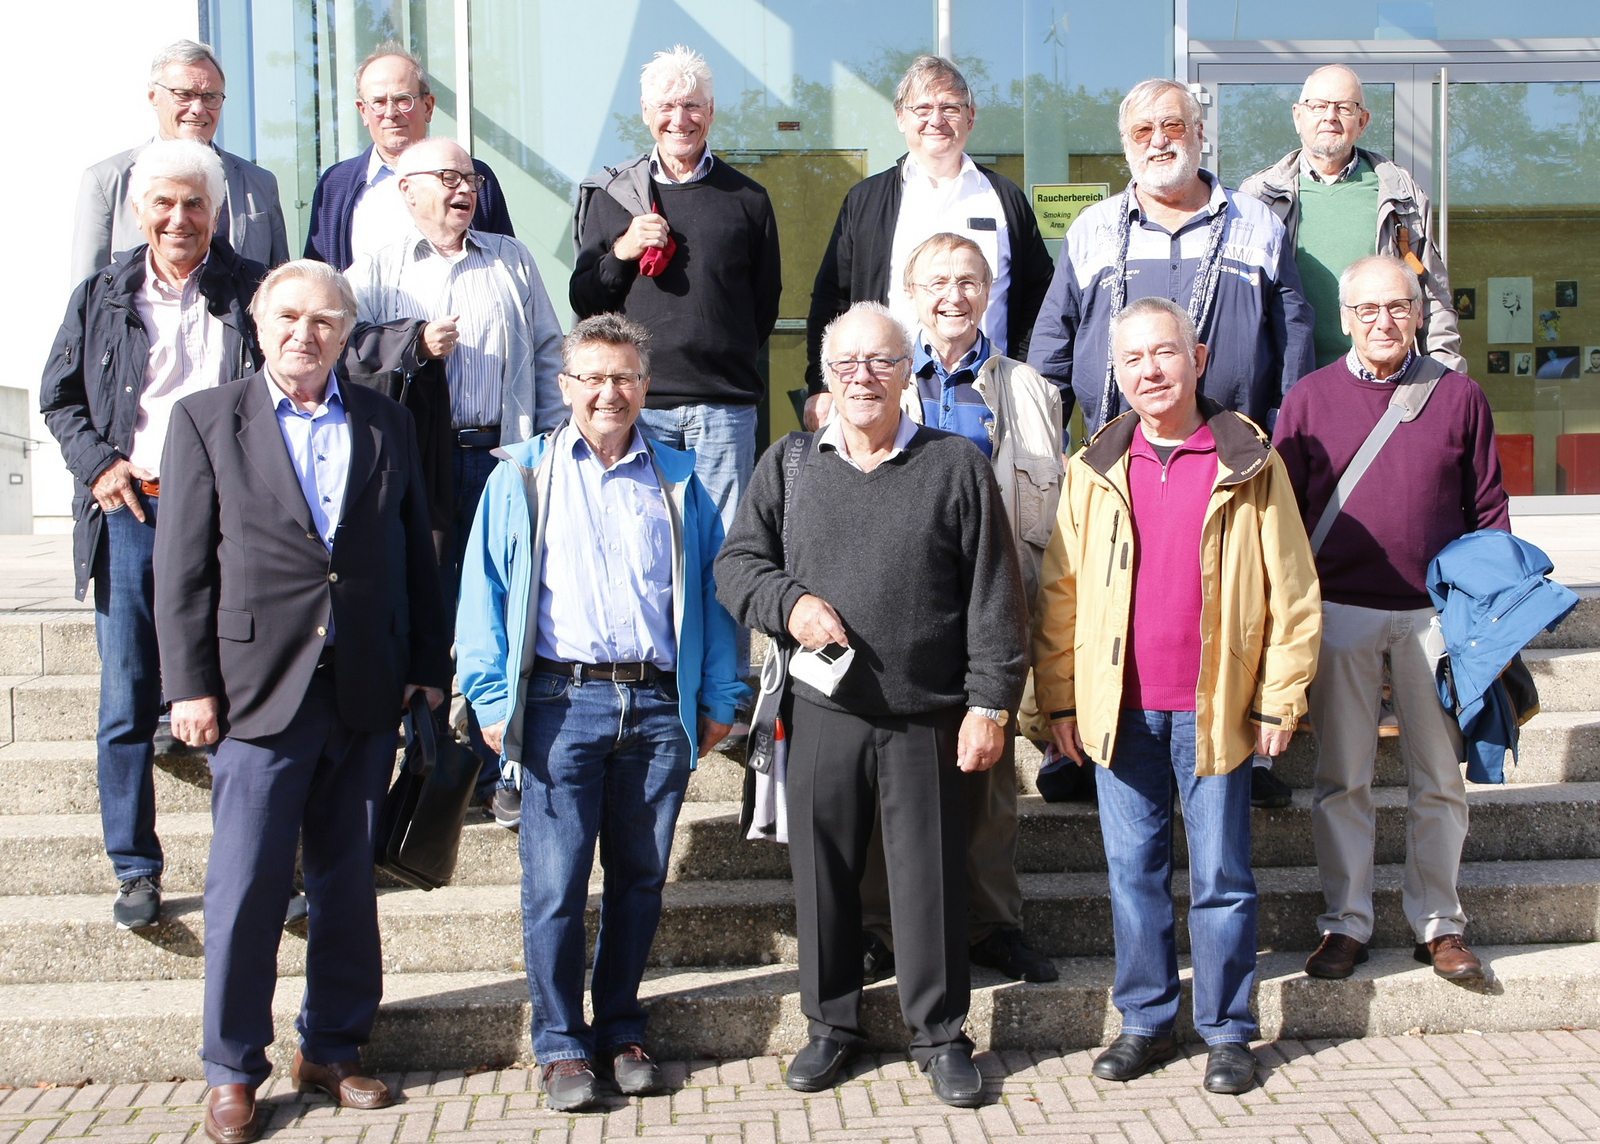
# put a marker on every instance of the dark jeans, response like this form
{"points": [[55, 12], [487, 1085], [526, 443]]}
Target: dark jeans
{"points": [[606, 760], [130, 691], [472, 469]]}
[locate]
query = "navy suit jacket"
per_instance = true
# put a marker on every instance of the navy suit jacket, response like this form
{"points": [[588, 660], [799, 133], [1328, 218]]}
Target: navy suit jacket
{"points": [[333, 206], [245, 588]]}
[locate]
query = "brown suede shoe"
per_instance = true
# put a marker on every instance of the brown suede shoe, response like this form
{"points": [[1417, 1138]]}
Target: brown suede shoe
{"points": [[345, 1082], [1450, 958], [1337, 957], [231, 1114]]}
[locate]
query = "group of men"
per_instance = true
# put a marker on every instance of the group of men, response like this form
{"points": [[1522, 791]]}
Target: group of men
{"points": [[555, 507]]}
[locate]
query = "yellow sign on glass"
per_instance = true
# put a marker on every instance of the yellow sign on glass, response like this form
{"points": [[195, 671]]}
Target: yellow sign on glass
{"points": [[1055, 205]]}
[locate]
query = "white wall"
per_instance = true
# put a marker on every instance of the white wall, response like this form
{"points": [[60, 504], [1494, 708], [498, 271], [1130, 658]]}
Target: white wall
{"points": [[83, 102]]}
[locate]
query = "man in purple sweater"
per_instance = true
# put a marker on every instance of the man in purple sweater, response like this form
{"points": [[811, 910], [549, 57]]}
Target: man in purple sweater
{"points": [[1436, 479]]}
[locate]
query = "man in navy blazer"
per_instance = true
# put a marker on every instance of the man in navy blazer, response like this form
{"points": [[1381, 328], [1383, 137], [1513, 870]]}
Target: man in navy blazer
{"points": [[297, 607], [356, 208]]}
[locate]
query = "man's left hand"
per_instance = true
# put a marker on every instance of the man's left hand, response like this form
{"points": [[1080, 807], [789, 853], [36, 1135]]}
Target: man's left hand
{"points": [[1272, 741], [979, 744], [711, 733], [433, 695], [194, 721]]}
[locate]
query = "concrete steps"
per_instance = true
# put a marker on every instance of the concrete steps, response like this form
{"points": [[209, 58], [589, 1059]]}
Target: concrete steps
{"points": [[113, 1031]]}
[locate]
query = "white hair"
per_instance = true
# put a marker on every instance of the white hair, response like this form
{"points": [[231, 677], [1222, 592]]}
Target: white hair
{"points": [[184, 53], [181, 159], [676, 73], [312, 270], [416, 157], [1153, 305], [1372, 262], [878, 309], [1150, 90]]}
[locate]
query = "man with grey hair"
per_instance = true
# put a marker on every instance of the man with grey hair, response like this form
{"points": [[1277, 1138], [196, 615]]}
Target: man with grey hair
{"points": [[920, 701], [1334, 197], [298, 610], [934, 187], [476, 301], [357, 207], [169, 318], [682, 243], [186, 91]]}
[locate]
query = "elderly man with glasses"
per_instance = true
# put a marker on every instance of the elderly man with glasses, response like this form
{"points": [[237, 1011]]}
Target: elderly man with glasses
{"points": [[357, 207], [1340, 202], [1438, 479], [897, 553], [186, 91], [476, 301], [591, 645]]}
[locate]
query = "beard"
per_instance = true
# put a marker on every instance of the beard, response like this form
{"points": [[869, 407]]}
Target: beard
{"points": [[1328, 152], [1171, 177]]}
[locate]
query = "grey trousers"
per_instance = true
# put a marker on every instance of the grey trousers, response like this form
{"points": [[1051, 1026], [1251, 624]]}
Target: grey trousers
{"points": [[844, 770], [994, 896], [1345, 697]]}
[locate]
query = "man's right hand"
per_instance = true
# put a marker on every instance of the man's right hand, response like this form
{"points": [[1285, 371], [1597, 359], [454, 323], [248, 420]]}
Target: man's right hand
{"points": [[194, 721], [815, 624], [1065, 734], [818, 406], [439, 338], [113, 488], [494, 736], [643, 232]]}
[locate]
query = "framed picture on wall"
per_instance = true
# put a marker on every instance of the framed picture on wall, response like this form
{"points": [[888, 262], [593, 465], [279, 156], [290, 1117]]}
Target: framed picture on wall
{"points": [[1466, 303], [1499, 361], [1524, 363], [1566, 293], [1510, 305], [1591, 360], [1556, 361]]}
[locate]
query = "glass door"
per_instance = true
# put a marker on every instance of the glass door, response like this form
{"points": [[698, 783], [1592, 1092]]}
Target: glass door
{"points": [[1516, 193]]}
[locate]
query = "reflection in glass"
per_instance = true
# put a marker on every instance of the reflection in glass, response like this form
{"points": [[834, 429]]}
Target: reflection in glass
{"points": [[1256, 125], [1391, 20]]}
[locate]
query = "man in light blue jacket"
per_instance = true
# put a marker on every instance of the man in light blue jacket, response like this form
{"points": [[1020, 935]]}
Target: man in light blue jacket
{"points": [[590, 644]]}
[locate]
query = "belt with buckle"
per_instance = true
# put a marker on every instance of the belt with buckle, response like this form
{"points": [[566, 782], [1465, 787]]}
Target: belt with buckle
{"points": [[610, 672], [483, 437], [151, 488]]}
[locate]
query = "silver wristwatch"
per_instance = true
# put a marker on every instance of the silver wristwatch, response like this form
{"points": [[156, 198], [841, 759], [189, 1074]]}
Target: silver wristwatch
{"points": [[997, 716]]}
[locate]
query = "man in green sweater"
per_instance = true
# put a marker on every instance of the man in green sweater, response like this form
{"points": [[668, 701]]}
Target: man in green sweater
{"points": [[1340, 202]]}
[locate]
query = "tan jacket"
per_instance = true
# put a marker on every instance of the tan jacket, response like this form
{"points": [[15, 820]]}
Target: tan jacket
{"points": [[1261, 612], [1026, 434]]}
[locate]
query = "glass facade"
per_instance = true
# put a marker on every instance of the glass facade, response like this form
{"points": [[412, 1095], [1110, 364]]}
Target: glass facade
{"points": [[1392, 20]]}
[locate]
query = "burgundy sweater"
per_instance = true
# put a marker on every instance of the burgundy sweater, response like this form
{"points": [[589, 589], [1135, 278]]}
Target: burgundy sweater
{"points": [[1436, 478]]}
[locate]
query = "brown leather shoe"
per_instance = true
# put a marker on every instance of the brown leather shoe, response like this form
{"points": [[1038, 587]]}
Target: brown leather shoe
{"points": [[231, 1114], [1450, 958], [1337, 957], [344, 1081]]}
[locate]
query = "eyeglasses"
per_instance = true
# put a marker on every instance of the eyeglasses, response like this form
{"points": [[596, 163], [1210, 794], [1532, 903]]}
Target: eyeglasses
{"points": [[210, 100], [944, 111], [1343, 108], [598, 381], [691, 107], [453, 179], [1399, 309], [939, 287], [878, 367], [1171, 128], [402, 104]]}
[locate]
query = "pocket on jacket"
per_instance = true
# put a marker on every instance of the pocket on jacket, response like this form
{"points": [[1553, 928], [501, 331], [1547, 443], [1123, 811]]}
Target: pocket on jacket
{"points": [[234, 625], [1038, 492]]}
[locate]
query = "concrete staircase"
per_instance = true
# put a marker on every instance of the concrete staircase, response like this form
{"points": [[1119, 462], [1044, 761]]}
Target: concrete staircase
{"points": [[80, 998]]}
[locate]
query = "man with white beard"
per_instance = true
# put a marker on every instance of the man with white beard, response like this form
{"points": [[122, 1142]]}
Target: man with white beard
{"points": [[1175, 233]]}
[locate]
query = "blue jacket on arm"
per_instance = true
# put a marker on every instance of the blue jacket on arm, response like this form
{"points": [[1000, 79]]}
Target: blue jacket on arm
{"points": [[499, 585]]}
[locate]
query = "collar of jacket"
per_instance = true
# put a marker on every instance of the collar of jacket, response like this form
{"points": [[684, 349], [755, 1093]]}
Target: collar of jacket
{"points": [[1241, 446], [218, 277], [1282, 179], [673, 465]]}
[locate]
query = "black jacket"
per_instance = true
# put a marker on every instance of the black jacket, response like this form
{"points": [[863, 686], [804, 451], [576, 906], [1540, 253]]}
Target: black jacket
{"points": [[95, 375], [855, 267], [245, 588]]}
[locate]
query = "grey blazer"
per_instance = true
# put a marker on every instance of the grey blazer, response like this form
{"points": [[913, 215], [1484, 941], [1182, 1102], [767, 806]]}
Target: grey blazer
{"points": [[105, 224]]}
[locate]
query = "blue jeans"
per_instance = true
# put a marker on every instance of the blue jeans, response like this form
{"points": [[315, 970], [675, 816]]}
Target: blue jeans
{"points": [[471, 469], [1153, 749], [606, 759], [130, 691], [723, 438]]}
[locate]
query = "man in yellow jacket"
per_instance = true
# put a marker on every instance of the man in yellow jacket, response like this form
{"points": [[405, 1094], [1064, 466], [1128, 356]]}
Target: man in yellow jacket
{"points": [[1178, 631]]}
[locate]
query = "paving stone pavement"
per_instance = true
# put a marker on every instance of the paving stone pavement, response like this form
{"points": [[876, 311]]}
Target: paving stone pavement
{"points": [[1497, 1088]]}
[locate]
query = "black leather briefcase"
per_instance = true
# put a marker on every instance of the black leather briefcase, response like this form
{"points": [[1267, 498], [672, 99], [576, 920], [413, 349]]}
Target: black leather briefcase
{"points": [[419, 830]]}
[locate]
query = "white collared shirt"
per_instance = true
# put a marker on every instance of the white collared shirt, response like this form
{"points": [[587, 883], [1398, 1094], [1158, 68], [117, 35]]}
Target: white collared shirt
{"points": [[701, 169], [380, 216], [832, 437], [187, 354], [967, 205]]}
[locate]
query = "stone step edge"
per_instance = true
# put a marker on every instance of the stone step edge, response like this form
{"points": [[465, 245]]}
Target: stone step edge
{"points": [[132, 1031]]}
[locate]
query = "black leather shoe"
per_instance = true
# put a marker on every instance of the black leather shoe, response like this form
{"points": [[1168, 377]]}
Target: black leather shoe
{"points": [[1267, 790], [817, 1066], [1133, 1054], [877, 959], [1230, 1068], [955, 1079], [1007, 950]]}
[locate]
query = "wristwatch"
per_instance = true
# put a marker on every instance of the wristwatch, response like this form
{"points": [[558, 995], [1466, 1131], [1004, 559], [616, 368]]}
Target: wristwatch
{"points": [[994, 714]]}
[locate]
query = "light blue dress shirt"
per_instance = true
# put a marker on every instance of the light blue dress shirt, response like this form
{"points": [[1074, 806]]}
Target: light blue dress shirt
{"points": [[605, 584], [318, 441]]}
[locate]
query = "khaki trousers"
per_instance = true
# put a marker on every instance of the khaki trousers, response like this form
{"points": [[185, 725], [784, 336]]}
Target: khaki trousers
{"points": [[1345, 698]]}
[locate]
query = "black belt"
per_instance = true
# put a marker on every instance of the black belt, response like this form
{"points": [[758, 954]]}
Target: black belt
{"points": [[483, 437], [610, 672]]}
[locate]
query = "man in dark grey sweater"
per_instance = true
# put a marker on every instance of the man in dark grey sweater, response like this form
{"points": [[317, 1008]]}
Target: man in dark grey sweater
{"points": [[898, 549]]}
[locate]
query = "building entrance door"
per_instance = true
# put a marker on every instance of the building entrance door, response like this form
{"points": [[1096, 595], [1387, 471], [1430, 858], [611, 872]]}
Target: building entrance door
{"points": [[1508, 145]]}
